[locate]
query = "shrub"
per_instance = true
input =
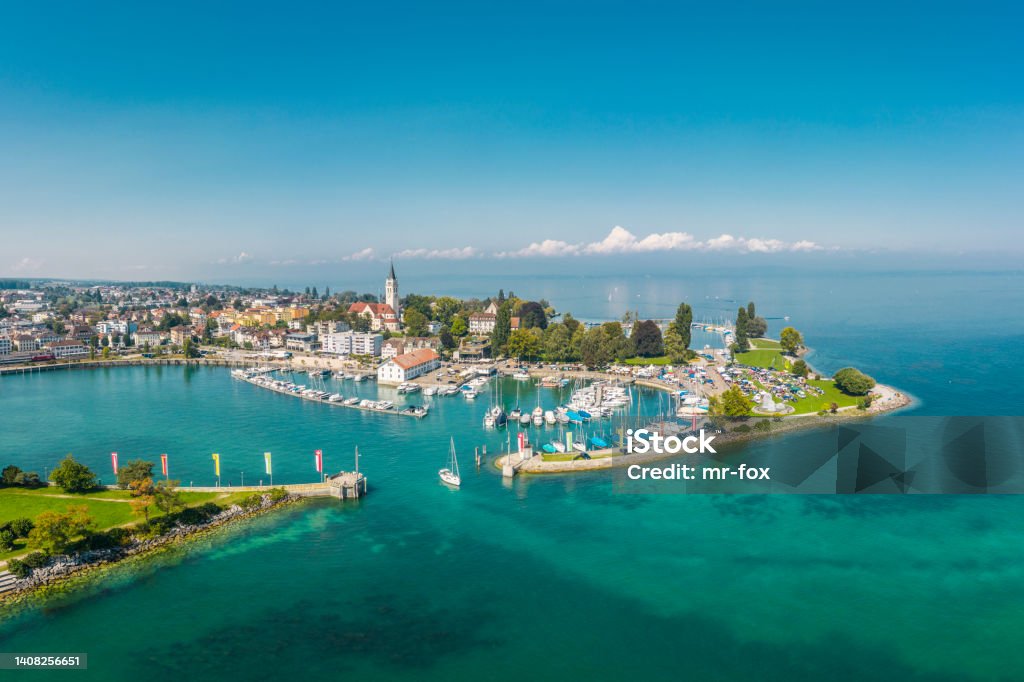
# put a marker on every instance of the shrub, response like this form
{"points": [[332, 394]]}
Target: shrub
{"points": [[251, 502], [742, 428], [763, 425], [21, 527], [277, 494], [864, 403], [7, 539], [36, 560], [19, 568]]}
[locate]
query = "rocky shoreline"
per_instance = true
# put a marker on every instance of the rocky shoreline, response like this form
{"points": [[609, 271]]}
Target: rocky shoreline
{"points": [[64, 568]]}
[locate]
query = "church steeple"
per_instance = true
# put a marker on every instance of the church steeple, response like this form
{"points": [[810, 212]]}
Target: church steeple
{"points": [[391, 291]]}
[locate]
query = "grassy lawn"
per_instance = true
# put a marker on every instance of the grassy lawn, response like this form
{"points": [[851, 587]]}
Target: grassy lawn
{"points": [[832, 395], [765, 344], [762, 358], [108, 508], [644, 362]]}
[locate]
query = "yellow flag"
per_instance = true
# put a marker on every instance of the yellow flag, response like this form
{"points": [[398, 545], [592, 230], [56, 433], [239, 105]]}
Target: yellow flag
{"points": [[216, 464]]}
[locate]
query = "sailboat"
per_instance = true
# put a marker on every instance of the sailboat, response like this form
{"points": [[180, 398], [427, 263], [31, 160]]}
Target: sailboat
{"points": [[450, 475]]}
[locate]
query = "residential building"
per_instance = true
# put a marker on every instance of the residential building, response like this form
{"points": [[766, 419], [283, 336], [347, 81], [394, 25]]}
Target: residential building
{"points": [[325, 327], [481, 323], [179, 334], [6, 346], [148, 336], [301, 341], [401, 345], [67, 350], [352, 343], [408, 366]]}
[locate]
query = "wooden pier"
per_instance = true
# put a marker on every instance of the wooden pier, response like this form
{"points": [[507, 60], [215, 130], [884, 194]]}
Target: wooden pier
{"points": [[418, 415], [344, 485]]}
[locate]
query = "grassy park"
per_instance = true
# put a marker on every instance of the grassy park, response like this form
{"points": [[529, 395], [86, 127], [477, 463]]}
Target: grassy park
{"points": [[107, 508]]}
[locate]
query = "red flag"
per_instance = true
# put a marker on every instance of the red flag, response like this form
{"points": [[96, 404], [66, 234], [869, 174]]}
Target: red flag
{"points": [[113, 461], [522, 440], [163, 463], [320, 461]]}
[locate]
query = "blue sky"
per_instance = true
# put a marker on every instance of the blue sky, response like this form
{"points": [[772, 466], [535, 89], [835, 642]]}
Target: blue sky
{"points": [[189, 141]]}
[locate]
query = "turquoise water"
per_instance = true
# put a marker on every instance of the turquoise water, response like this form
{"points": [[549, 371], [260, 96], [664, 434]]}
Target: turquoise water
{"points": [[547, 578]]}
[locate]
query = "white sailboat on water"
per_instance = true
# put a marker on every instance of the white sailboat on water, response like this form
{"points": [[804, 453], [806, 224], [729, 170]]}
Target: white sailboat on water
{"points": [[450, 475]]}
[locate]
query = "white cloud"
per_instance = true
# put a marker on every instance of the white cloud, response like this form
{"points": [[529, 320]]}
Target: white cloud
{"points": [[364, 254], [621, 240], [27, 264], [431, 254], [805, 245], [725, 241], [242, 257], [764, 245]]}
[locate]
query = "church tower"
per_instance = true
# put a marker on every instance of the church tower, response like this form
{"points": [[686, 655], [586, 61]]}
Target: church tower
{"points": [[391, 292]]}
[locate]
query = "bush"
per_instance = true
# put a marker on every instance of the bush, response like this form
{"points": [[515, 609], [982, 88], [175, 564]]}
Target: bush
{"points": [[254, 501], [853, 381], [36, 560], [7, 539], [21, 527], [763, 425], [864, 403], [19, 569], [277, 494]]}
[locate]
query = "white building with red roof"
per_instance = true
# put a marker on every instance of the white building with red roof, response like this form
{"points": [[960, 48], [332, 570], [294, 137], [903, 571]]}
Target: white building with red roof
{"points": [[407, 366]]}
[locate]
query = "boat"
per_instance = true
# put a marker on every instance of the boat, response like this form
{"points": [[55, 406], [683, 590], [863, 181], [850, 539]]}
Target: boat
{"points": [[548, 448], [549, 417], [350, 401], [598, 442], [538, 415], [521, 376], [430, 390], [450, 474], [515, 414], [359, 377], [488, 421], [469, 395], [524, 419]]}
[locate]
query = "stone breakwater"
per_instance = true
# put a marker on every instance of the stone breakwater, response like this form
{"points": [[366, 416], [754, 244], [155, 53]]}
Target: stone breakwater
{"points": [[64, 567]]}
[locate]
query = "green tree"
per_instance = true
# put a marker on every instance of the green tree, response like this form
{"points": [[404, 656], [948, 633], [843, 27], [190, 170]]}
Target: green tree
{"points": [[189, 349], [54, 531], [683, 322], [445, 308], [853, 381], [524, 343], [73, 476], [646, 339], [459, 326], [532, 314], [502, 328], [735, 403], [799, 368], [134, 470], [446, 338], [167, 497], [415, 322], [594, 348], [790, 340], [6, 540], [674, 347], [9, 474], [557, 343], [616, 345], [742, 344], [757, 327]]}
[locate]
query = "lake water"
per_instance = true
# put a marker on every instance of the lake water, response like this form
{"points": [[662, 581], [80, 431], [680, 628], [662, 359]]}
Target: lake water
{"points": [[554, 578]]}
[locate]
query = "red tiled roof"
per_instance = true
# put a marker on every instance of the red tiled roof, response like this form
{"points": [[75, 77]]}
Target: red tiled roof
{"points": [[415, 358]]}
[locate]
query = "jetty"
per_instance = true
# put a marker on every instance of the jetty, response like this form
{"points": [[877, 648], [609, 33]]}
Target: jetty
{"points": [[344, 485], [257, 377]]}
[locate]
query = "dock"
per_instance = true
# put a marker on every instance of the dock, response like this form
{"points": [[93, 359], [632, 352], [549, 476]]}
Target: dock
{"points": [[344, 485], [417, 413]]}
